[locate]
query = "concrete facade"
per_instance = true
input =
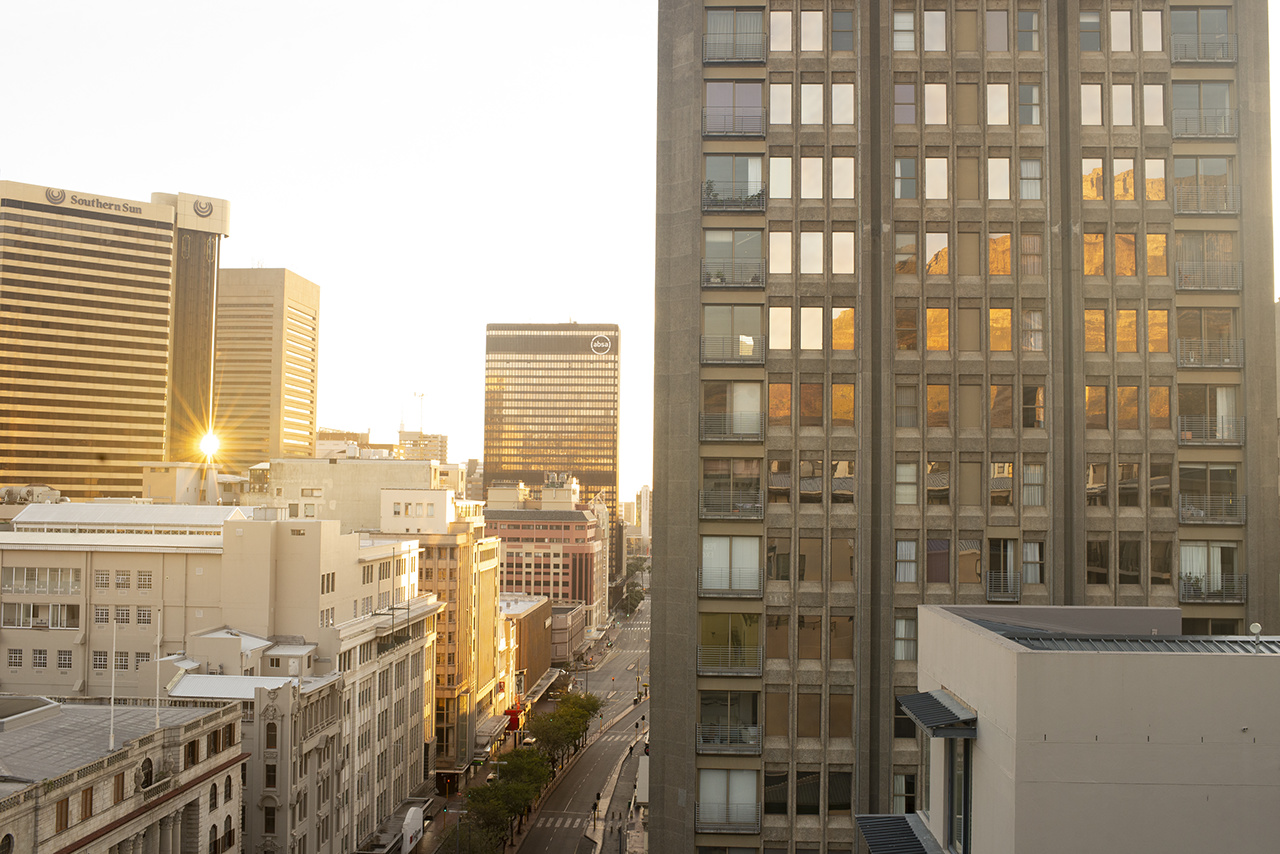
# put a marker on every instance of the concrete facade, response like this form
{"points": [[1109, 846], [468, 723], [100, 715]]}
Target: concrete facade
{"points": [[568, 631], [348, 490]]}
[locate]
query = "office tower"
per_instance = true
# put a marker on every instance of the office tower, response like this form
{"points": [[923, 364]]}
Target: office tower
{"points": [[105, 337], [551, 405], [1035, 240], [265, 367]]}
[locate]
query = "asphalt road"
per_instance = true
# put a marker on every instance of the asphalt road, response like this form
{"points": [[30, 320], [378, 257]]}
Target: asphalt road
{"points": [[560, 825]]}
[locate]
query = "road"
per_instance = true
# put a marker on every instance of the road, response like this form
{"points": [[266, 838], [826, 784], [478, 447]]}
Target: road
{"points": [[565, 817]]}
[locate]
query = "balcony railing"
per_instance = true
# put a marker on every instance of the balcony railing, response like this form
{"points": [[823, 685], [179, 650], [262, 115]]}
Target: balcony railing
{"points": [[728, 738], [733, 273], [1210, 275], [733, 196], [1196, 509], [1206, 124], [731, 504], [1004, 585], [1198, 48], [726, 818], [734, 349], [1206, 200], [731, 426], [733, 121], [1210, 353], [1204, 588], [730, 660], [726, 582], [733, 47], [1211, 429]]}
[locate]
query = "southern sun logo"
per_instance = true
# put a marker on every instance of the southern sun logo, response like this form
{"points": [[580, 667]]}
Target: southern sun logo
{"points": [[55, 197], [203, 208]]}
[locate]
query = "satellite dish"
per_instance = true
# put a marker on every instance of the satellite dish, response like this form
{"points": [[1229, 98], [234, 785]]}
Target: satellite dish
{"points": [[1255, 628]]}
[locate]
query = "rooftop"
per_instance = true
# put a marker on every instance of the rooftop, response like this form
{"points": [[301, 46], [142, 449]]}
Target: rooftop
{"points": [[514, 604], [171, 543], [211, 686], [101, 515], [248, 642], [491, 514]]}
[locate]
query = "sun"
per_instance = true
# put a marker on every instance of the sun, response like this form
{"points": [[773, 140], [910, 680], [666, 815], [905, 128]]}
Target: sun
{"points": [[209, 445]]}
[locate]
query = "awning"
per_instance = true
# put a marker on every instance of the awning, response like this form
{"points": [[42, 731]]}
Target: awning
{"points": [[488, 730], [897, 834], [940, 714]]}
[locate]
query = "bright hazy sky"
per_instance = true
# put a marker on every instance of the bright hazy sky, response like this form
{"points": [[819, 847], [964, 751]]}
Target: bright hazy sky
{"points": [[433, 167]]}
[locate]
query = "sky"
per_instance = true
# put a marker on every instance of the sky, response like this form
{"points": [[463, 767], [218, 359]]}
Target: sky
{"points": [[433, 167]]}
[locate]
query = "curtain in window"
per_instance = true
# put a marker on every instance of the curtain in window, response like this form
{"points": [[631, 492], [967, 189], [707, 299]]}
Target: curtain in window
{"points": [[1033, 485], [906, 569], [1031, 248], [715, 562], [1194, 563], [745, 573], [1032, 563]]}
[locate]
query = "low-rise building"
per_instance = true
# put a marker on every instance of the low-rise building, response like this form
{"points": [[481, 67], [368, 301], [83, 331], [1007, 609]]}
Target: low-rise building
{"points": [[348, 490], [81, 775], [568, 631]]}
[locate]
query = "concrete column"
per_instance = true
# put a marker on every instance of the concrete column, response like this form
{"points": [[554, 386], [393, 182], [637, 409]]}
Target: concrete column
{"points": [[175, 844], [166, 835]]}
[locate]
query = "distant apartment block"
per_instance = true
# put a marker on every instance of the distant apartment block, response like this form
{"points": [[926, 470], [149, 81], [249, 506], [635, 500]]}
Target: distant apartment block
{"points": [[348, 490], [415, 445]]}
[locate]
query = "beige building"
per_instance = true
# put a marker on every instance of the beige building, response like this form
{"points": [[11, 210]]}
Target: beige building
{"points": [[88, 776], [348, 490], [956, 303], [1087, 729], [98, 291], [266, 356], [568, 631], [416, 445]]}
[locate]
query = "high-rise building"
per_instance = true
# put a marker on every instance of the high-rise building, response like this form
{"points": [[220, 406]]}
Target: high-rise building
{"points": [[551, 405], [416, 445], [265, 367], [1036, 239], [95, 295]]}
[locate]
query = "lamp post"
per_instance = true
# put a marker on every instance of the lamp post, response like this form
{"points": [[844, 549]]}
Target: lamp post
{"points": [[457, 832]]}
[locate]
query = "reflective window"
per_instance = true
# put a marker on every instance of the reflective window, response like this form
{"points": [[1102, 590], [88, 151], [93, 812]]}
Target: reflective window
{"points": [[779, 31], [938, 406], [779, 177], [843, 328], [935, 252], [842, 31], [811, 252], [779, 103], [1153, 104], [1095, 254], [904, 31], [1091, 178], [935, 31], [780, 252], [843, 177], [1091, 103], [843, 411], [935, 103], [810, 103], [1090, 31], [1157, 331], [1029, 103], [1028, 30], [843, 105], [935, 177], [1000, 335], [999, 253], [1152, 37], [1001, 407], [1126, 255], [844, 253], [997, 103], [811, 177], [1121, 37], [1095, 330], [1126, 330], [1123, 179], [1154, 180], [904, 178], [1095, 407], [1122, 104], [938, 329], [997, 177], [811, 328], [811, 31], [997, 30], [904, 103], [779, 327]]}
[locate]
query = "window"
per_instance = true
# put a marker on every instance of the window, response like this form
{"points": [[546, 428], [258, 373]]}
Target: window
{"points": [[811, 327], [1097, 557], [810, 103], [1122, 180], [935, 177], [1152, 39], [101, 579], [1001, 414], [1029, 103], [810, 404], [730, 563], [15, 657], [906, 485], [1090, 31], [1032, 563], [62, 815], [843, 177], [1121, 37], [144, 580], [843, 412], [269, 817], [1153, 105], [905, 252], [810, 30], [904, 31], [269, 776], [997, 103], [904, 788], [843, 328], [1091, 103], [811, 177], [144, 616], [779, 178], [997, 177], [904, 639], [140, 658], [906, 328], [122, 661], [779, 103], [101, 615], [1095, 254], [1031, 254], [1095, 407], [1154, 182], [1029, 31], [906, 406], [40, 658], [1033, 330], [904, 178], [780, 253], [733, 108], [904, 103], [997, 30], [779, 328], [1158, 259], [938, 561], [937, 406], [1126, 331], [780, 404], [64, 659], [1128, 485], [1000, 247], [936, 254], [99, 659], [938, 483], [959, 788], [1032, 405], [906, 563], [122, 614], [810, 262], [122, 580], [1204, 185], [732, 257], [731, 181], [841, 31], [935, 31], [935, 103], [117, 788], [1122, 104], [938, 329], [1033, 484]]}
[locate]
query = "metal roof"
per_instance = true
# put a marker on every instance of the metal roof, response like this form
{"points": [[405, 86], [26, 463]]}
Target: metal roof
{"points": [[940, 714], [896, 834], [491, 514], [94, 515], [1218, 644]]}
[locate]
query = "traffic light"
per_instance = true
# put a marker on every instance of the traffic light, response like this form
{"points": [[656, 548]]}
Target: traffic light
{"points": [[646, 748]]}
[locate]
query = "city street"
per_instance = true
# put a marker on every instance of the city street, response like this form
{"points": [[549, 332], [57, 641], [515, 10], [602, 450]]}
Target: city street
{"points": [[565, 818]]}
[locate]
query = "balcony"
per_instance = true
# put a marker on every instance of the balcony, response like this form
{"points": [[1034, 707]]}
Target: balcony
{"points": [[1211, 429], [731, 426], [733, 349], [1196, 509], [1206, 124], [728, 738], [1206, 200], [1210, 275], [730, 504], [1003, 585], [1227, 589], [732, 196], [731, 273], [723, 582], [733, 121], [733, 47], [730, 660], [1210, 353], [726, 818], [1222, 47]]}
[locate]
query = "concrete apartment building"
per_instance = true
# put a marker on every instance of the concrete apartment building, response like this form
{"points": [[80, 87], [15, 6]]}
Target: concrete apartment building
{"points": [[554, 546], [551, 405], [265, 367], [1032, 718], [457, 562], [416, 445], [170, 782], [348, 490], [1036, 240], [97, 293], [529, 620]]}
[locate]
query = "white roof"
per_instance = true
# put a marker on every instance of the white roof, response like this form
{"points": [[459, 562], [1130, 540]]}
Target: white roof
{"points": [[192, 685], [171, 543], [248, 642], [517, 603], [95, 515], [291, 649]]}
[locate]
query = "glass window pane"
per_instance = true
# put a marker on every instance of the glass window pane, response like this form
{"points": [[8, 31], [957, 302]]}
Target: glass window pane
{"points": [[1155, 180], [1001, 335], [1157, 330], [779, 31], [844, 253], [1095, 330], [935, 177], [780, 252], [997, 103], [811, 177], [1121, 38], [904, 34], [843, 328], [1091, 103], [811, 328], [1153, 105], [1152, 37], [810, 103], [997, 30], [997, 178], [1126, 331], [1095, 255], [779, 103], [1123, 179], [1126, 255], [779, 327], [1091, 179], [1122, 104], [811, 31], [811, 252], [779, 177], [938, 329], [935, 103], [935, 30], [842, 405], [935, 246], [999, 249], [842, 103]]}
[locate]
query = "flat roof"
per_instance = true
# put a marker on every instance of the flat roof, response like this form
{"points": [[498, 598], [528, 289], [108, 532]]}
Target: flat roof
{"points": [[194, 685], [291, 649], [131, 515], [248, 642], [514, 604], [104, 542], [533, 515]]}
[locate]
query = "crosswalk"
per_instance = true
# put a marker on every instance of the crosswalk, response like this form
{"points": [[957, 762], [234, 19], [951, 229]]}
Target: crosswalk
{"points": [[617, 736], [568, 820]]}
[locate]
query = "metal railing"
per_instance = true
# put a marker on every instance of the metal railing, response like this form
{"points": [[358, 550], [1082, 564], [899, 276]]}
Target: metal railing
{"points": [[728, 738], [731, 426], [1196, 509], [733, 273], [733, 47], [733, 195], [738, 349], [1210, 275], [724, 582], [726, 818], [731, 504], [1206, 200], [1211, 124], [1211, 429], [1202, 48], [1210, 353], [1202, 588], [733, 121], [1004, 585], [730, 660]]}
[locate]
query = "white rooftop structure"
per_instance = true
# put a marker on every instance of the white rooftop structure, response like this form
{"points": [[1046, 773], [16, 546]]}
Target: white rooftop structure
{"points": [[213, 686], [514, 604], [125, 518], [248, 642], [170, 543]]}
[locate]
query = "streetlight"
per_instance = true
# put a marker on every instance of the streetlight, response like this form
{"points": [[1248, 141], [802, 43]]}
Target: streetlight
{"points": [[457, 831]]}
